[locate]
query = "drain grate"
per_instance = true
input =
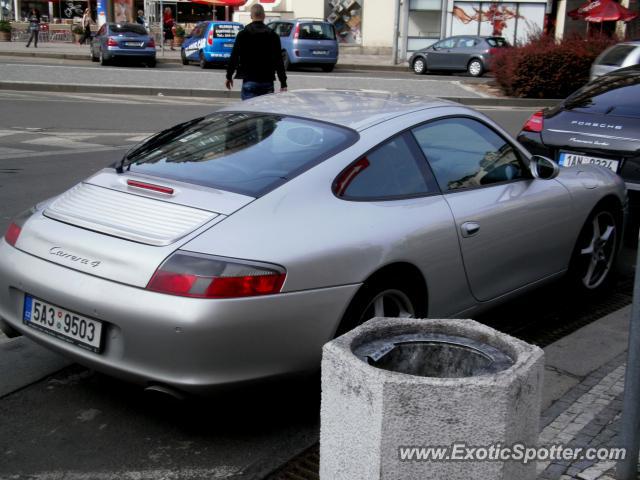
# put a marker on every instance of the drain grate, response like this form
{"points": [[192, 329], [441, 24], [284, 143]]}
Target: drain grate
{"points": [[305, 466]]}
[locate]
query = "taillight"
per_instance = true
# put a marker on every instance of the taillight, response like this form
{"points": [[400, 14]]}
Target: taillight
{"points": [[197, 275], [296, 32], [111, 42], [210, 37], [535, 123], [15, 227], [151, 43], [12, 234]]}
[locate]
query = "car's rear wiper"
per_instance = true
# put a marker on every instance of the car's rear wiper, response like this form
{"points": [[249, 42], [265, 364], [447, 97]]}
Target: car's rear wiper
{"points": [[154, 141]]}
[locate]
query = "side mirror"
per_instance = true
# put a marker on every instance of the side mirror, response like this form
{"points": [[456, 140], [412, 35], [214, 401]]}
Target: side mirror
{"points": [[543, 168]]}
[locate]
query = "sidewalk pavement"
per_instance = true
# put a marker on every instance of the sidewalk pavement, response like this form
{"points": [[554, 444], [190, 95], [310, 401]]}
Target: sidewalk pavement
{"points": [[71, 51], [582, 396]]}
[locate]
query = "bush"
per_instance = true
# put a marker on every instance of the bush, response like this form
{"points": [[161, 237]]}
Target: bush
{"points": [[545, 68], [5, 26], [78, 30], [179, 31]]}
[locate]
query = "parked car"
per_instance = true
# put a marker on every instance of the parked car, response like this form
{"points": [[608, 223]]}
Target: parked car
{"points": [[114, 41], [231, 247], [599, 124], [210, 43], [622, 55], [307, 42], [459, 53]]}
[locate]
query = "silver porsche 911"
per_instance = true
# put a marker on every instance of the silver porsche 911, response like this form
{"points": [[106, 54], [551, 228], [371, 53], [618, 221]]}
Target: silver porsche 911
{"points": [[231, 247]]}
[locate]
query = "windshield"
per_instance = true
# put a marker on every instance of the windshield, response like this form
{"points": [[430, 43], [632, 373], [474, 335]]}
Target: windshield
{"points": [[246, 153], [616, 55], [226, 31], [128, 28], [317, 31], [616, 94]]}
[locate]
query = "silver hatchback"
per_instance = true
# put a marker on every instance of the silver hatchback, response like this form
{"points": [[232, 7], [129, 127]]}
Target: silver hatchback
{"points": [[231, 247], [622, 55]]}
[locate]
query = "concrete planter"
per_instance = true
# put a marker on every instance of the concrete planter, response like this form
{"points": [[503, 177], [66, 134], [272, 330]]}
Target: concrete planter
{"points": [[395, 383], [5, 36]]}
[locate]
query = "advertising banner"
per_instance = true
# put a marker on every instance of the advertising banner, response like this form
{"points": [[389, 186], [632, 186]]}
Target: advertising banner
{"points": [[101, 8]]}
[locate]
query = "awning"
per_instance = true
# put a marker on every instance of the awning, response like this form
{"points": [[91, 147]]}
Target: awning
{"points": [[602, 11]]}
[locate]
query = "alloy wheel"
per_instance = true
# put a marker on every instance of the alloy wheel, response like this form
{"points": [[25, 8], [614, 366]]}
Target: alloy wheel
{"points": [[597, 257], [419, 66], [475, 68], [389, 303]]}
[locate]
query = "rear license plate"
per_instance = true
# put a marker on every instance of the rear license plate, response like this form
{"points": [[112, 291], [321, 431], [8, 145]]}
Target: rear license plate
{"points": [[63, 324], [568, 159], [133, 44], [320, 52], [228, 45]]}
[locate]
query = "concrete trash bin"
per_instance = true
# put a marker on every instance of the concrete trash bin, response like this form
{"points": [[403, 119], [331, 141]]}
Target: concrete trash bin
{"points": [[393, 388]]}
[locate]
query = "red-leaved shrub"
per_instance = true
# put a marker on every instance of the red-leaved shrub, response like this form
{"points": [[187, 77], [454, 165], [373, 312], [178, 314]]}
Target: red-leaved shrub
{"points": [[546, 68]]}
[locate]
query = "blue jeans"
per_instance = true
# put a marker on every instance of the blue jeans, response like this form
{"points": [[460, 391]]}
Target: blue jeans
{"points": [[254, 89]]}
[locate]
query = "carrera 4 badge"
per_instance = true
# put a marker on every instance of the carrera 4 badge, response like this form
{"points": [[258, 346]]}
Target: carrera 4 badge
{"points": [[59, 252]]}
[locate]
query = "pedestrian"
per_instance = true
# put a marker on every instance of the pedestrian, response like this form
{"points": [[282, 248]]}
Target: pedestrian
{"points": [[86, 25], [257, 57], [167, 26], [140, 18], [34, 27]]}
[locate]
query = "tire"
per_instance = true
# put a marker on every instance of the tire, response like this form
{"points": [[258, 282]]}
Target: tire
{"points": [[475, 68], [328, 68], [419, 66], [383, 298], [183, 57], [591, 269], [103, 60], [203, 62], [285, 60]]}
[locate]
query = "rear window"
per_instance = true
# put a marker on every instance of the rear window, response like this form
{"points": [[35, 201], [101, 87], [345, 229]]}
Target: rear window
{"points": [[497, 42], [128, 28], [317, 31], [613, 94], [226, 31], [616, 55], [245, 153]]}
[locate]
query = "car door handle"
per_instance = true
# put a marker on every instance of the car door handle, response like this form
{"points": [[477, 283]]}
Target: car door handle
{"points": [[469, 229]]}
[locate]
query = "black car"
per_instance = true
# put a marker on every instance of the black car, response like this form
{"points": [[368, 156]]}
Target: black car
{"points": [[460, 53], [598, 124]]}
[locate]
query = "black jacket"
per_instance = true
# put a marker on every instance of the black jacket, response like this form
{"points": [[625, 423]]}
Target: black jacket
{"points": [[257, 55]]}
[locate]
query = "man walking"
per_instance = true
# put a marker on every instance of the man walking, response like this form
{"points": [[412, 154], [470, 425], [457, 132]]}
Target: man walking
{"points": [[257, 56]]}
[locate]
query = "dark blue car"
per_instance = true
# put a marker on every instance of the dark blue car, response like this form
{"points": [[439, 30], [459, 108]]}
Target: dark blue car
{"points": [[123, 40], [210, 43]]}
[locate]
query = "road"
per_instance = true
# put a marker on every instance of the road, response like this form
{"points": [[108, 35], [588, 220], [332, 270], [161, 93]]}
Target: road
{"points": [[80, 425], [75, 72]]}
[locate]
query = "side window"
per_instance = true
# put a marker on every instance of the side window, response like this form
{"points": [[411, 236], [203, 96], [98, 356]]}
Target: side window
{"points": [[391, 170], [285, 29], [464, 153], [467, 43], [197, 31], [449, 43]]}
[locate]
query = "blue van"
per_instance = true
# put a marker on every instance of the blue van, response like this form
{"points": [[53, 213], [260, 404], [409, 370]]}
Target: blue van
{"points": [[210, 43], [307, 42]]}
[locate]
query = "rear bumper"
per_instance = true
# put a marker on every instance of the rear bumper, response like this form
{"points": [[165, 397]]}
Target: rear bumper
{"points": [[189, 344], [123, 53], [217, 57]]}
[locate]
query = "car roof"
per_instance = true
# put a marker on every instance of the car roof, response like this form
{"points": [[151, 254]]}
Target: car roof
{"points": [[355, 109]]}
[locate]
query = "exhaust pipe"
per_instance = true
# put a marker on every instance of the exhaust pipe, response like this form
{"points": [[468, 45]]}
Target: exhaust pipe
{"points": [[165, 391]]}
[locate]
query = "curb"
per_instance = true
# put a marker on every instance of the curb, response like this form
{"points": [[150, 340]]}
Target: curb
{"points": [[202, 93], [80, 56]]}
